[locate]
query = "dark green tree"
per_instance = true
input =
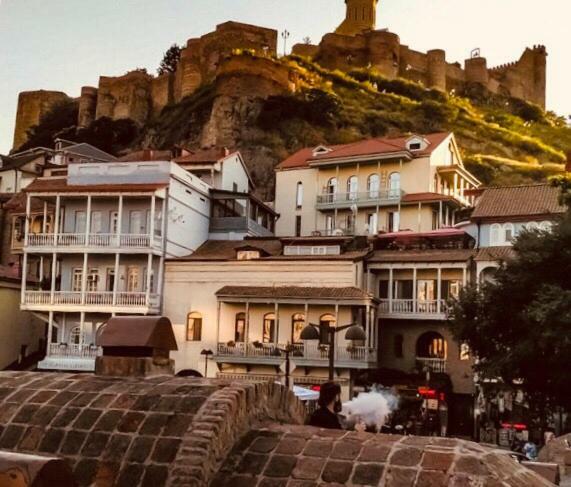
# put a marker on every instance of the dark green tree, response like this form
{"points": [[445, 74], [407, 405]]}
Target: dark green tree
{"points": [[519, 326], [170, 60]]}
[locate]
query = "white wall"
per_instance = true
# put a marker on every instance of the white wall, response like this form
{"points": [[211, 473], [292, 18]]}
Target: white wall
{"points": [[233, 172]]}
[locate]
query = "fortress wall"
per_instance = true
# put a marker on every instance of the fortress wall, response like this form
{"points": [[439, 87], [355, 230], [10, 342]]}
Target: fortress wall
{"points": [[127, 96], [384, 52], [161, 92], [305, 50], [32, 105], [343, 52], [87, 106]]}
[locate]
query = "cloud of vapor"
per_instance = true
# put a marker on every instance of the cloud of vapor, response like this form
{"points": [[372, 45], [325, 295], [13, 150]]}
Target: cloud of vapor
{"points": [[371, 408]]}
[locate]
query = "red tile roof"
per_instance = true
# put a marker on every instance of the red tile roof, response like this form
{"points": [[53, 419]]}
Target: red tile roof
{"points": [[425, 197], [428, 255], [59, 185], [202, 156], [334, 293], [518, 201], [304, 157]]}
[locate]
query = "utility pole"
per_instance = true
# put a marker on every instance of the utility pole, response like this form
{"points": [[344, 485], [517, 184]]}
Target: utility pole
{"points": [[285, 37]]}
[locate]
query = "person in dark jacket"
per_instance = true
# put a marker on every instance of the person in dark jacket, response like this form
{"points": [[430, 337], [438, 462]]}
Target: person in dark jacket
{"points": [[329, 406]]}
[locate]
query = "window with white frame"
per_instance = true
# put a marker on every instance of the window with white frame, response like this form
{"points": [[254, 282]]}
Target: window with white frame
{"points": [[373, 223], [353, 187], [114, 226], [133, 279], [75, 336], [80, 222], [509, 232], [373, 185], [96, 225], [76, 280], [92, 280], [495, 232], [299, 195], [394, 184], [194, 327]]}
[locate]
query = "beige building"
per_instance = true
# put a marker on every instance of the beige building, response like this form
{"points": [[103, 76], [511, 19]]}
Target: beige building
{"points": [[245, 301], [415, 183]]}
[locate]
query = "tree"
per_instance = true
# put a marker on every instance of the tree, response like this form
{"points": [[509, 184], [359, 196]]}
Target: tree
{"points": [[519, 326], [170, 60]]}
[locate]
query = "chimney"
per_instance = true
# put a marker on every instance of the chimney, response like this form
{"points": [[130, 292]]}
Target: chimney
{"points": [[135, 346]]}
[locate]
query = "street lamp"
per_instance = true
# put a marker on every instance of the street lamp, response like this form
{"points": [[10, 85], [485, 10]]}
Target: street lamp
{"points": [[207, 354], [285, 37], [312, 332], [287, 351]]}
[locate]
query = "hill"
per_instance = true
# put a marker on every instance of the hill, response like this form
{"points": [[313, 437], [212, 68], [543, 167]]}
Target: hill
{"points": [[504, 140]]}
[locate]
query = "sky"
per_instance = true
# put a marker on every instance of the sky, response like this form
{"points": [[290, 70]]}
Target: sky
{"points": [[63, 45]]}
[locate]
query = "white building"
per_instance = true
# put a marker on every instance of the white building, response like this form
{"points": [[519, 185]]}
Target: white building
{"points": [[105, 233]]}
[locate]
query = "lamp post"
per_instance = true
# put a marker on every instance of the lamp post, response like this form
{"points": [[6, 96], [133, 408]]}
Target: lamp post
{"points": [[287, 351], [285, 37], [312, 332], [207, 354]]}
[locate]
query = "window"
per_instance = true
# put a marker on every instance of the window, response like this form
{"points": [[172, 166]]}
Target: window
{"points": [[75, 336], [464, 351], [435, 215], [393, 221], [76, 280], [95, 222], [373, 184], [194, 327], [240, 328], [353, 187], [135, 223], [132, 279], [325, 322], [426, 290], [114, 219], [398, 346], [414, 146], [299, 195], [332, 189], [509, 232], [297, 325], [431, 345], [329, 225], [92, 280], [372, 223], [383, 289], [495, 234], [80, 222], [298, 226], [394, 185], [269, 331], [110, 284]]}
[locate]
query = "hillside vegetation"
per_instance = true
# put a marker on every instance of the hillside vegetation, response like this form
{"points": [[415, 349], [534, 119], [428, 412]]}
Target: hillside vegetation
{"points": [[504, 140]]}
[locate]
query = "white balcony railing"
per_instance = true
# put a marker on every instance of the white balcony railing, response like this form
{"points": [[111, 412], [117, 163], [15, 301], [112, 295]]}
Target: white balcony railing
{"points": [[307, 350], [376, 196], [95, 240], [410, 306], [74, 350], [91, 299], [436, 365]]}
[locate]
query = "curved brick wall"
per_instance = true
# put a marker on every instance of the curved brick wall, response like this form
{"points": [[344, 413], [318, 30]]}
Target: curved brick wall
{"points": [[304, 456], [116, 431]]}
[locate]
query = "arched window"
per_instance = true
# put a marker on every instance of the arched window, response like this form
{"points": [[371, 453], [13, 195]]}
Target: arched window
{"points": [[240, 328], [394, 185], [299, 195], [352, 187], [326, 321], [509, 232], [75, 336], [373, 185], [431, 345], [495, 234], [269, 332], [194, 327], [399, 342], [297, 324]]}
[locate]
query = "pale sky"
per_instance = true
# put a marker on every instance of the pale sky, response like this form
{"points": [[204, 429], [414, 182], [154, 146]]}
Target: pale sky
{"points": [[65, 44]]}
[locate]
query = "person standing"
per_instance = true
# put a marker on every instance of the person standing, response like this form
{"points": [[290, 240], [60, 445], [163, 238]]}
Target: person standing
{"points": [[329, 406]]}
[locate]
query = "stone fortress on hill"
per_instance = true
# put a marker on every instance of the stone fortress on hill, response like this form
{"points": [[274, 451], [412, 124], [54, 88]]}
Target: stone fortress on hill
{"points": [[355, 43]]}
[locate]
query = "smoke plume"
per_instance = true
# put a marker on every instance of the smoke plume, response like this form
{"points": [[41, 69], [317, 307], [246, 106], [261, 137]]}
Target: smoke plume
{"points": [[371, 408]]}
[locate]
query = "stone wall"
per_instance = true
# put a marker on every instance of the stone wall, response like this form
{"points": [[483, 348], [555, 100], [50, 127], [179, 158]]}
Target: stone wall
{"points": [[382, 50], [32, 105]]}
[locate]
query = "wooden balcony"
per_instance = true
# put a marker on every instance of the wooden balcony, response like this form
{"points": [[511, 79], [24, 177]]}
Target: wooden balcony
{"points": [[70, 242], [303, 354], [435, 365], [90, 301], [410, 308]]}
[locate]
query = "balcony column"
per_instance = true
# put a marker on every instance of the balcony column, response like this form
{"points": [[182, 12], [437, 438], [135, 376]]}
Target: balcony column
{"points": [[45, 220], [218, 311], [455, 191], [277, 315], [414, 291], [247, 330], [53, 279], [27, 221], [336, 325], [335, 198], [24, 280], [88, 221], [368, 325], [116, 279], [464, 277], [148, 280], [152, 222], [419, 215], [440, 214], [84, 279], [50, 329], [391, 290], [119, 220], [439, 290], [81, 327], [56, 219]]}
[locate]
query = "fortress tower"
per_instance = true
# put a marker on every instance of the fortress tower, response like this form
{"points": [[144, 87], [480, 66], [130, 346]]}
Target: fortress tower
{"points": [[361, 17]]}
